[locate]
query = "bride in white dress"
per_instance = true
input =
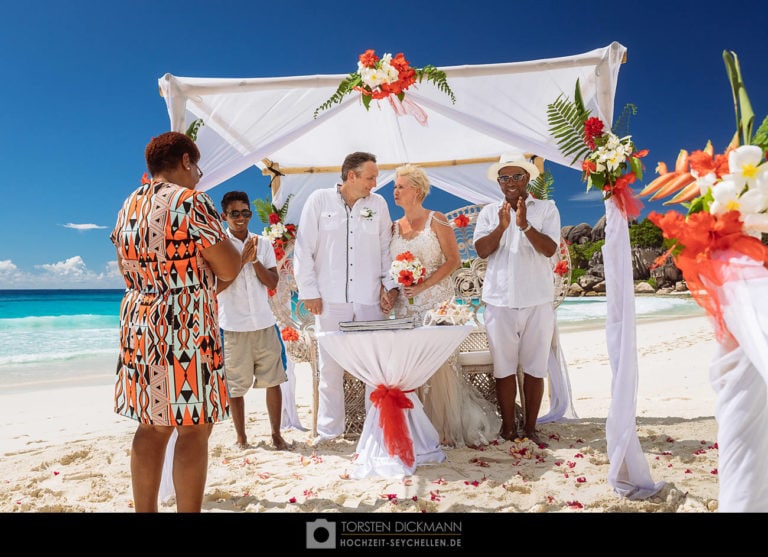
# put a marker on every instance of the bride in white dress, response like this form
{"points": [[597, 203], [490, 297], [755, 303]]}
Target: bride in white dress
{"points": [[457, 410]]}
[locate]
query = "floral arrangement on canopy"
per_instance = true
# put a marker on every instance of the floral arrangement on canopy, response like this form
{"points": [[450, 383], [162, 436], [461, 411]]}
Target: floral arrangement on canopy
{"points": [[727, 200], [387, 78], [278, 231], [610, 161]]}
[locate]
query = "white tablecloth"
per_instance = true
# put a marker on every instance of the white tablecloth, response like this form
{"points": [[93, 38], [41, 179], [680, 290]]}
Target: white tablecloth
{"points": [[394, 363]]}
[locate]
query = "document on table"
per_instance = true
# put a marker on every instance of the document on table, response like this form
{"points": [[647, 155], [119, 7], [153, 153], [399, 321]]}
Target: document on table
{"points": [[378, 325]]}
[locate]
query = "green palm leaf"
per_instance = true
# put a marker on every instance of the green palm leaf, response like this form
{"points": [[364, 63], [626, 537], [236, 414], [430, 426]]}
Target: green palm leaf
{"points": [[566, 125]]}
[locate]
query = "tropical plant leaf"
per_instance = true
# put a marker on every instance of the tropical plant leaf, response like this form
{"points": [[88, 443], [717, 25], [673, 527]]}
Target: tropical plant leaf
{"points": [[436, 76], [344, 89], [745, 116], [541, 187], [566, 125], [621, 125], [265, 207], [193, 129], [761, 136]]}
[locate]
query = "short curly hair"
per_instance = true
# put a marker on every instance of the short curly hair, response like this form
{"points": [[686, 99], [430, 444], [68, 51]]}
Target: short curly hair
{"points": [[166, 150], [417, 178]]}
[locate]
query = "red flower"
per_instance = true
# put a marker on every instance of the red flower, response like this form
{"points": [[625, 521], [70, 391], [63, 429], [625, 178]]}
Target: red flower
{"points": [[461, 221], [369, 58], [289, 334], [274, 218], [145, 179], [561, 268], [593, 128]]}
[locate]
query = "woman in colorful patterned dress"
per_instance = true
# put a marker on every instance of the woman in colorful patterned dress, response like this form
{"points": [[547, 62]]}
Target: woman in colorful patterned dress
{"points": [[171, 248], [457, 410]]}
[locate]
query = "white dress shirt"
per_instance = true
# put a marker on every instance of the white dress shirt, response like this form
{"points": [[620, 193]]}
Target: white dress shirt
{"points": [[517, 275], [244, 305], [342, 253]]}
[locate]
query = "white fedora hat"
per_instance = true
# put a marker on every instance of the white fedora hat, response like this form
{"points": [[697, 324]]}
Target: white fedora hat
{"points": [[514, 159]]}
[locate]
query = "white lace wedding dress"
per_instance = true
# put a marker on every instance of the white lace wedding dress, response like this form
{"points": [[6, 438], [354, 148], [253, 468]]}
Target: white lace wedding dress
{"points": [[456, 408]]}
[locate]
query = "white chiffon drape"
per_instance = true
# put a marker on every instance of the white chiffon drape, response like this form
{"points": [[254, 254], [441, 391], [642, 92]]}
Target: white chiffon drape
{"points": [[560, 394], [396, 359], [739, 376], [629, 474]]}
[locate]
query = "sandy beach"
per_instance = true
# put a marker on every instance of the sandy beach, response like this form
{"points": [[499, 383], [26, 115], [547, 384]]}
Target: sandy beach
{"points": [[64, 450]]}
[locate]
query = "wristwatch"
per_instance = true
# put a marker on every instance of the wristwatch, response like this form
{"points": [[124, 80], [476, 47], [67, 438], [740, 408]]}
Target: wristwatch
{"points": [[526, 229]]}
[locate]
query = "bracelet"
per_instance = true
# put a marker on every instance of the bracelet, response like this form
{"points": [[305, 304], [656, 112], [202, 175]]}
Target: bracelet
{"points": [[526, 229]]}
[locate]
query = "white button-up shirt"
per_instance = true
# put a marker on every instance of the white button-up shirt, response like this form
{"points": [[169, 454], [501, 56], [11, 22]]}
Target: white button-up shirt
{"points": [[518, 276], [342, 254], [244, 305]]}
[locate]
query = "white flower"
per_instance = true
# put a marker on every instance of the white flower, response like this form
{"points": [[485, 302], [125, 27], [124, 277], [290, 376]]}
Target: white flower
{"points": [[275, 231], [743, 163], [367, 213]]}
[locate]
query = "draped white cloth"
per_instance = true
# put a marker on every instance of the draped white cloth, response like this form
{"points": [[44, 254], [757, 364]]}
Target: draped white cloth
{"points": [[629, 474], [560, 397], [404, 360], [289, 419], [739, 375]]}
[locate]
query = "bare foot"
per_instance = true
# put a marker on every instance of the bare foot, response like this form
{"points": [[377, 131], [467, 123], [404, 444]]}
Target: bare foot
{"points": [[242, 445], [537, 440], [279, 443]]}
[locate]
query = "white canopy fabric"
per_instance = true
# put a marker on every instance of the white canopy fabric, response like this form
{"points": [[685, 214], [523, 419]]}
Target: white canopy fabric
{"points": [[499, 108]]}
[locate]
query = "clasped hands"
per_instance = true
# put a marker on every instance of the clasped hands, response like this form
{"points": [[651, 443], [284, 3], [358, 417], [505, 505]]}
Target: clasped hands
{"points": [[521, 214]]}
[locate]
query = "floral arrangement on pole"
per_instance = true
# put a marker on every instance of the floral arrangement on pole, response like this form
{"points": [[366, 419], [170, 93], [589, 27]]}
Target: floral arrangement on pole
{"points": [[610, 162], [278, 231], [407, 270], [727, 200], [387, 78]]}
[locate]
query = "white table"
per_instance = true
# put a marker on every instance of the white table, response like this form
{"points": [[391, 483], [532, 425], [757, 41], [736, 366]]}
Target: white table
{"points": [[397, 435]]}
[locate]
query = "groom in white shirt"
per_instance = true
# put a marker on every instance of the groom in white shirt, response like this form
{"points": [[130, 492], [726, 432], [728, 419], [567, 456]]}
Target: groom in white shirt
{"points": [[341, 266]]}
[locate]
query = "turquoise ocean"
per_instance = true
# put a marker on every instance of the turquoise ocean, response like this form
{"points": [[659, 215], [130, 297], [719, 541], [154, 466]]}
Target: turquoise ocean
{"points": [[57, 338]]}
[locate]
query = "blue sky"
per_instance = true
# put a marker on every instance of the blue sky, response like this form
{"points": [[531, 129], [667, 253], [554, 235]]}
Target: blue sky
{"points": [[78, 84]]}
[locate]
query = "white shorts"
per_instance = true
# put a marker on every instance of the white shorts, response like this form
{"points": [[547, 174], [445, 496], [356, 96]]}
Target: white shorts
{"points": [[520, 336], [253, 358]]}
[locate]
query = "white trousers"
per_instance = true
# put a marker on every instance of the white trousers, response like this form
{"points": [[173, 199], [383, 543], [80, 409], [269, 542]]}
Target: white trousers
{"points": [[330, 409]]}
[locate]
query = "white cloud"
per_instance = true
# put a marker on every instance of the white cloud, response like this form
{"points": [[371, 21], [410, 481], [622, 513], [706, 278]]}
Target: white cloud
{"points": [[70, 273], [82, 226], [7, 266]]}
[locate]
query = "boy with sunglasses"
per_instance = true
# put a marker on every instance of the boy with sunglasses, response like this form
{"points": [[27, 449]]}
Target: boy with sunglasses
{"points": [[252, 347]]}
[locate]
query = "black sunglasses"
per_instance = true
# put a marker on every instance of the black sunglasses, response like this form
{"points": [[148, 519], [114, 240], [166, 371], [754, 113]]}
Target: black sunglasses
{"points": [[235, 214]]}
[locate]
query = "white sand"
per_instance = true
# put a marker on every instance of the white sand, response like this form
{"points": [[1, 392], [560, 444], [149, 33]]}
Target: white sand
{"points": [[64, 450]]}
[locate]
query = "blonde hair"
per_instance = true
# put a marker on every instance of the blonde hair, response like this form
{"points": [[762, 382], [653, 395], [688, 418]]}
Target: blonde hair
{"points": [[416, 176]]}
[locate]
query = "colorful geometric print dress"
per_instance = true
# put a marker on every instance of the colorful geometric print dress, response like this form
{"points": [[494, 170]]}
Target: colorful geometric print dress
{"points": [[454, 406], [170, 370]]}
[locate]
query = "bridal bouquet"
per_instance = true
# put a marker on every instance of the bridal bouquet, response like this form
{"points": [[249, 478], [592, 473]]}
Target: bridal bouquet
{"points": [[407, 270]]}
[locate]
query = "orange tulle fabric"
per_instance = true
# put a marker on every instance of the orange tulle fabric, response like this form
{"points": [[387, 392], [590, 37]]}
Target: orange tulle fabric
{"points": [[391, 403], [701, 236]]}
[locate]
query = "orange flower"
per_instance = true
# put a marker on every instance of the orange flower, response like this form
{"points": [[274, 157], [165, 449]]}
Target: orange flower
{"points": [[369, 58], [289, 334], [461, 221]]}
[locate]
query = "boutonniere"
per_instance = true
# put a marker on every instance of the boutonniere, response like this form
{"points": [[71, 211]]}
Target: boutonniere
{"points": [[366, 213]]}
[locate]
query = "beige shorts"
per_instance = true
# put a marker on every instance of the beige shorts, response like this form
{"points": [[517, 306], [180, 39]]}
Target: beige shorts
{"points": [[253, 359], [520, 336]]}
